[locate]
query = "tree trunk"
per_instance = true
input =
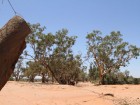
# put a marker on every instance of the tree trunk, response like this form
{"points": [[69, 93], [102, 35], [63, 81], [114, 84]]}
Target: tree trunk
{"points": [[43, 78], [16, 78], [103, 80], [53, 74], [52, 78], [100, 77], [31, 78], [12, 43], [59, 79]]}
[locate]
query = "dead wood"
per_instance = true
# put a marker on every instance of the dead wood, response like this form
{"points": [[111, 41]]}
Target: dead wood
{"points": [[12, 43]]}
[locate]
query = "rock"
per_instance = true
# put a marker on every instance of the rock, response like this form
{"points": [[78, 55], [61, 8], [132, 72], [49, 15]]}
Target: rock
{"points": [[12, 43]]}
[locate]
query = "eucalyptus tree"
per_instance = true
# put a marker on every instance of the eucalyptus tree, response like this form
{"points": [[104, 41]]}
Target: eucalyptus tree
{"points": [[40, 48], [54, 53], [31, 70], [18, 69], [64, 64], [109, 52], [93, 72], [34, 41]]}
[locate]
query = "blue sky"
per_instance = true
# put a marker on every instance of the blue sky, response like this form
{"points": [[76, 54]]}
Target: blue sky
{"points": [[81, 17]]}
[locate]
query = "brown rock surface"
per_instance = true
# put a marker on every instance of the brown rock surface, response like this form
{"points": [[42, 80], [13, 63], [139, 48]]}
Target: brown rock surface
{"points": [[12, 43]]}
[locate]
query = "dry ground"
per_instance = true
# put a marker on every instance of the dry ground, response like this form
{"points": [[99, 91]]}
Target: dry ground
{"points": [[22, 93]]}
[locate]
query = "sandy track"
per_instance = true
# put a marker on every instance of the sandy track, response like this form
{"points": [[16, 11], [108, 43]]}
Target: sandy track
{"points": [[21, 93]]}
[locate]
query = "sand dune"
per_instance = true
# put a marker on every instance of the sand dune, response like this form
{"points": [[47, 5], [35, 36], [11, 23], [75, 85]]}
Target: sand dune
{"points": [[22, 93]]}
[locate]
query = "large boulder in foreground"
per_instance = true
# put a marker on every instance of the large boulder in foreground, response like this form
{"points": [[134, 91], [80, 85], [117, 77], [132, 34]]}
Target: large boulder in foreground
{"points": [[12, 43]]}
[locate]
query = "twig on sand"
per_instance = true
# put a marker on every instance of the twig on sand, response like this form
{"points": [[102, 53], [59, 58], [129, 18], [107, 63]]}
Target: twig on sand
{"points": [[109, 94]]}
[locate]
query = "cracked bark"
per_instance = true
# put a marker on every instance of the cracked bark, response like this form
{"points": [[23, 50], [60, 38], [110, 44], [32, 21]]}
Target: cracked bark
{"points": [[12, 43]]}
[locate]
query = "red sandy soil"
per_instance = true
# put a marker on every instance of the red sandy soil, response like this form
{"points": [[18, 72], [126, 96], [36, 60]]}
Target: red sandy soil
{"points": [[23, 93]]}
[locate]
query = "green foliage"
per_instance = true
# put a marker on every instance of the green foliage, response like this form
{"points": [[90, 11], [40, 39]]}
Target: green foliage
{"points": [[31, 70], [41, 49], [118, 77], [83, 76], [54, 53], [17, 74], [109, 52], [11, 78], [136, 81], [64, 64], [93, 73]]}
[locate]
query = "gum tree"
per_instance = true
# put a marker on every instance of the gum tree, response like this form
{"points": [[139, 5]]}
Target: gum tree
{"points": [[40, 49], [110, 52], [54, 53], [65, 65]]}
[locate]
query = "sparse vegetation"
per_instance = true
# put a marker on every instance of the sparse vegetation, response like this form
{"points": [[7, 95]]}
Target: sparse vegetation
{"points": [[109, 53], [51, 57]]}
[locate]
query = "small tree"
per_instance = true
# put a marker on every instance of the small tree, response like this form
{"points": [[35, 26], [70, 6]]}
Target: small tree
{"points": [[64, 65], [54, 53], [109, 52], [93, 72], [41, 47], [32, 70], [18, 69]]}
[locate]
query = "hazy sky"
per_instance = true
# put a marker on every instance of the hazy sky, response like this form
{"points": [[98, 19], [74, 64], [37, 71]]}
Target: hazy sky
{"points": [[81, 17]]}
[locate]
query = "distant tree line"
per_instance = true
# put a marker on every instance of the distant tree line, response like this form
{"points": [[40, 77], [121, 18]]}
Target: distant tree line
{"points": [[51, 57], [114, 77]]}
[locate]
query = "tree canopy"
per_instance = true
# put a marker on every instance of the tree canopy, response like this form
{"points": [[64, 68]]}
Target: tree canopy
{"points": [[53, 52], [51, 56], [109, 52]]}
